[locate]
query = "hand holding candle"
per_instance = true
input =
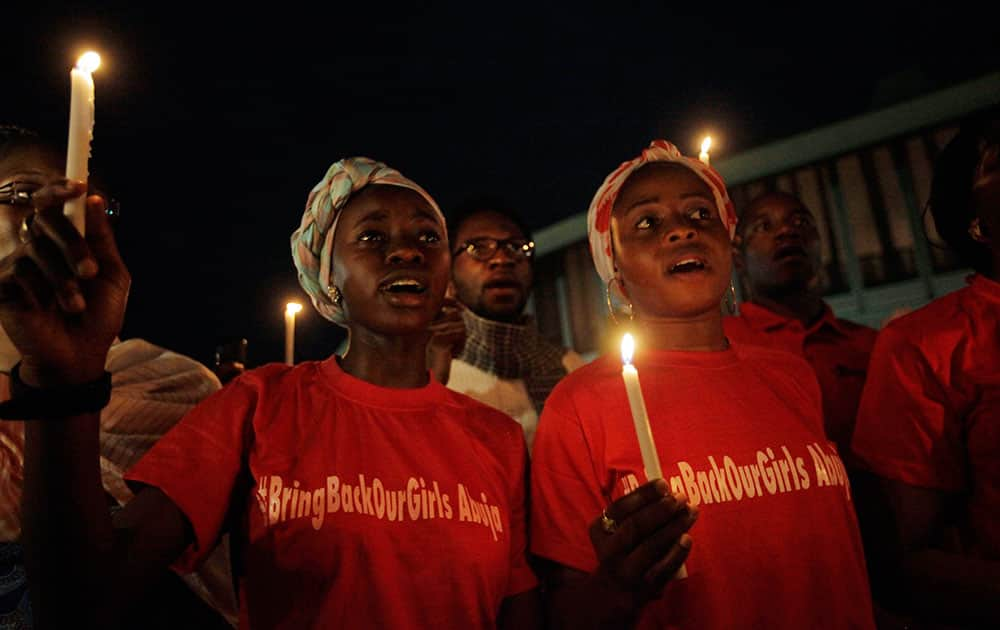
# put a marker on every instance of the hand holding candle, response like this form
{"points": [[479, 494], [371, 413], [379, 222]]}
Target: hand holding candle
{"points": [[81, 132], [290, 310], [640, 419]]}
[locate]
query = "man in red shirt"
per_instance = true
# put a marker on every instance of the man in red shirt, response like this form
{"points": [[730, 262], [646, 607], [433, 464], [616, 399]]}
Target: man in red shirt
{"points": [[777, 252]]}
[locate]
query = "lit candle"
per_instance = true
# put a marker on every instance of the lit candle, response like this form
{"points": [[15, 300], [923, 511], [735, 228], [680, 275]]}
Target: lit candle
{"points": [[650, 460], [81, 132], [290, 310], [706, 144]]}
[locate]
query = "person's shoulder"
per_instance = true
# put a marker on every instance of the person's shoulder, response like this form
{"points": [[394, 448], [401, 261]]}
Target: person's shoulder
{"points": [[939, 320], [858, 335], [486, 421], [475, 409], [779, 368], [769, 358], [585, 381], [276, 375], [739, 330], [259, 394], [600, 368], [139, 363]]}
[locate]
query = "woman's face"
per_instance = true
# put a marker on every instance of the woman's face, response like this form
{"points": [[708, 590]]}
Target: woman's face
{"points": [[29, 168], [390, 261], [671, 249]]}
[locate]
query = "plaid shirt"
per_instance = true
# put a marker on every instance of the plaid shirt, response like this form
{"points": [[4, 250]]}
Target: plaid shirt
{"points": [[514, 351]]}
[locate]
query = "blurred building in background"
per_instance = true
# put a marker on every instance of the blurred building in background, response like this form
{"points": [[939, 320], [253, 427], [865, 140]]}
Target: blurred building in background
{"points": [[867, 180]]}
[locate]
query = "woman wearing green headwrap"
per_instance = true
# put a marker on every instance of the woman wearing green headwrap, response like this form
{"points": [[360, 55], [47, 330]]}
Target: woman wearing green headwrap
{"points": [[359, 491]]}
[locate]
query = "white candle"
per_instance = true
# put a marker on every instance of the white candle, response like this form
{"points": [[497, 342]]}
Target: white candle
{"points": [[706, 144], [290, 310], [81, 132], [650, 460]]}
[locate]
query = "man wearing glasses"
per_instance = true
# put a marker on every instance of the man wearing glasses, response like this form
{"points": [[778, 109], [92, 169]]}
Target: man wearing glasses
{"points": [[505, 362]]}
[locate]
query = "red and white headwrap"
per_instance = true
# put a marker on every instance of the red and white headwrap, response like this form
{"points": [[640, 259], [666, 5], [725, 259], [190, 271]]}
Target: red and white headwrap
{"points": [[312, 243], [599, 215]]}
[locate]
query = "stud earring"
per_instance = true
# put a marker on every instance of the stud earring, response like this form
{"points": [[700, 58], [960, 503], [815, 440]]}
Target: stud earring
{"points": [[334, 294], [976, 231]]}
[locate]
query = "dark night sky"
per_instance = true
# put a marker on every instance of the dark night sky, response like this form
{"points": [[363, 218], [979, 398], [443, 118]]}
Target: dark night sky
{"points": [[212, 128]]}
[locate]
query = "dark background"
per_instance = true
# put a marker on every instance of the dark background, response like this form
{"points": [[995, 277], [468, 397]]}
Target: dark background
{"points": [[214, 123]]}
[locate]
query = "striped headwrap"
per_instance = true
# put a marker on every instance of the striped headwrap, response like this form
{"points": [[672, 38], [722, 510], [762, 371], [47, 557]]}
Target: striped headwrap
{"points": [[312, 243], [599, 215]]}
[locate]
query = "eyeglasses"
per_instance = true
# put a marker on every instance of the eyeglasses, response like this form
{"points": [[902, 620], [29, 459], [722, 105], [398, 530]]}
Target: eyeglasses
{"points": [[17, 193], [20, 194], [485, 248]]}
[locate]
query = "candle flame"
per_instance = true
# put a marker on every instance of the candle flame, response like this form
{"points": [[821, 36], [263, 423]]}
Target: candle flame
{"points": [[628, 348], [706, 144], [89, 61], [292, 308]]}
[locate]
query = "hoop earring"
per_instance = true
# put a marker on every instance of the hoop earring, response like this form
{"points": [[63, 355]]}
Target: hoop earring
{"points": [[334, 294], [611, 307], [730, 299], [976, 231]]}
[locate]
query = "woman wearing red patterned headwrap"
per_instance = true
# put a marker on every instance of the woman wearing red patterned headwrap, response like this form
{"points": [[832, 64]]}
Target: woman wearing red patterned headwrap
{"points": [[754, 501]]}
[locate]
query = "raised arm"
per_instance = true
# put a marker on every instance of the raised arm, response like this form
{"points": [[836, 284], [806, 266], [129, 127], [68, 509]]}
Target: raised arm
{"points": [[62, 300], [447, 339]]}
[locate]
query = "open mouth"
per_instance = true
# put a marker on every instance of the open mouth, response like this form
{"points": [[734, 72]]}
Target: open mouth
{"points": [[687, 265], [404, 285], [790, 251], [502, 282]]}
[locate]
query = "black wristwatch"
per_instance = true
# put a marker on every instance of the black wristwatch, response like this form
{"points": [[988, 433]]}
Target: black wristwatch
{"points": [[33, 403]]}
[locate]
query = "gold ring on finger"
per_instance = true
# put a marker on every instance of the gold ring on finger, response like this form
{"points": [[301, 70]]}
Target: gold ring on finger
{"points": [[607, 523]]}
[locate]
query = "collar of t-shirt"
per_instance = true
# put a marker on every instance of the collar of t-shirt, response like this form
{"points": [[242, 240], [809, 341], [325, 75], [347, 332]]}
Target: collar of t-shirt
{"points": [[985, 288], [383, 397], [766, 320]]}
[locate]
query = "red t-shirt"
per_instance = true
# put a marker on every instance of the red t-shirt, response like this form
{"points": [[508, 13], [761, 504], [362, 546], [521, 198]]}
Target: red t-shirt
{"points": [[930, 414], [838, 351], [355, 505], [740, 432]]}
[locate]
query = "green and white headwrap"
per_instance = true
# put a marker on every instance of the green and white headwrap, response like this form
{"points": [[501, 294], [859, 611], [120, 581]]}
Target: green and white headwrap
{"points": [[312, 243]]}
